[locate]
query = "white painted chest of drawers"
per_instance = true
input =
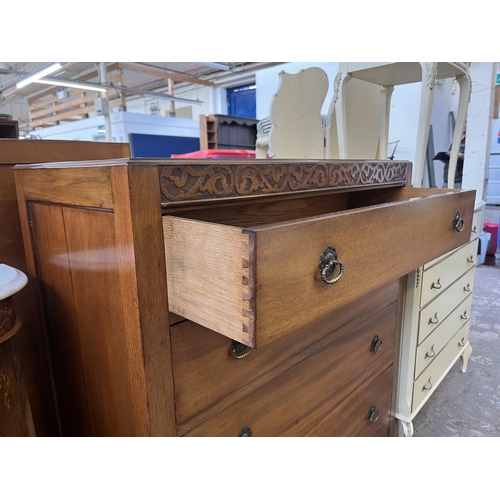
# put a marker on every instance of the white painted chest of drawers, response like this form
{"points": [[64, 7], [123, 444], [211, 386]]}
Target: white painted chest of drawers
{"points": [[436, 322]]}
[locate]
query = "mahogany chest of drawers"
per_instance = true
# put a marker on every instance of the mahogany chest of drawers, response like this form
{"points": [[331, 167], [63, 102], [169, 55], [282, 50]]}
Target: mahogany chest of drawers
{"points": [[250, 298]]}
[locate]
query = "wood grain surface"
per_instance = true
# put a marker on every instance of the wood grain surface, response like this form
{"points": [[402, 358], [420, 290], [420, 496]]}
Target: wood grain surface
{"points": [[288, 288], [32, 346], [208, 379], [329, 373]]}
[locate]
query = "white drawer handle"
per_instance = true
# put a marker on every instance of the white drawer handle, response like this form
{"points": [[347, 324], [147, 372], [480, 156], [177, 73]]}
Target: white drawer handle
{"points": [[430, 354], [435, 320], [436, 285], [470, 260], [458, 222], [467, 288], [464, 315], [328, 261], [462, 342], [429, 384]]}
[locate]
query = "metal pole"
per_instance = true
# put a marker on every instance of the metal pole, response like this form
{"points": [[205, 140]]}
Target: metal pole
{"points": [[104, 97]]}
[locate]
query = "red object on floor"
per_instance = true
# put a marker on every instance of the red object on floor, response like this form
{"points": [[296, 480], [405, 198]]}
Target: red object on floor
{"points": [[218, 153], [492, 228]]}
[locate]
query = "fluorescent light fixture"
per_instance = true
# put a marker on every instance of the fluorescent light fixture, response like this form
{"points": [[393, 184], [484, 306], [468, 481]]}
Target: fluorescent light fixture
{"points": [[217, 65], [76, 85], [47, 70]]}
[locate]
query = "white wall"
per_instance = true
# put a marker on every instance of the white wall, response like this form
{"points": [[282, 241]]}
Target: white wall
{"points": [[122, 124]]}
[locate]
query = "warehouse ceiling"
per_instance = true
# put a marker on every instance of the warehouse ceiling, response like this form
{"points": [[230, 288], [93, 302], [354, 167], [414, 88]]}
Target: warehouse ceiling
{"points": [[130, 79]]}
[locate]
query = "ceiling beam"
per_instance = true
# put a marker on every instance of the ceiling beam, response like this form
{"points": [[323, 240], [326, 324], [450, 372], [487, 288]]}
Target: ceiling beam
{"points": [[148, 70]]}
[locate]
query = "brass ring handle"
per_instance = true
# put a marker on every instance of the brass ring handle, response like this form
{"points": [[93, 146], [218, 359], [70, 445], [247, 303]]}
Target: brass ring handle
{"points": [[430, 354], [373, 414], [462, 342], [376, 344], [429, 383], [246, 432], [467, 288], [458, 222], [436, 285], [239, 350], [470, 260], [435, 320], [328, 261], [464, 315]]}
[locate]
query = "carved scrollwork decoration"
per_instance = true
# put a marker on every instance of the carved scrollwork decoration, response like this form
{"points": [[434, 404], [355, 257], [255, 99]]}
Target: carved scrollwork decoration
{"points": [[431, 69], [4, 385], [183, 183], [336, 87]]}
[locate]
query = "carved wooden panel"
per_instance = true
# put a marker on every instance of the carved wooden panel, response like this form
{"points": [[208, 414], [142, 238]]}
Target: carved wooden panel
{"points": [[189, 183]]}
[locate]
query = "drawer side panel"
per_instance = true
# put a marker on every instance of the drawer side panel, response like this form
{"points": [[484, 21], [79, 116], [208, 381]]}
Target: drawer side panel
{"points": [[211, 278]]}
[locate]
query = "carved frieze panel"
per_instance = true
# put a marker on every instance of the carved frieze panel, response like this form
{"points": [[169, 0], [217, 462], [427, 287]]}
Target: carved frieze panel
{"points": [[185, 183]]}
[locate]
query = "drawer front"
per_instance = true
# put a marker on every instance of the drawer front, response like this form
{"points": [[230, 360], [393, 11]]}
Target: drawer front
{"points": [[437, 340], [208, 378], [329, 373], [366, 413], [438, 310], [425, 384], [439, 277], [259, 284], [476, 226]]}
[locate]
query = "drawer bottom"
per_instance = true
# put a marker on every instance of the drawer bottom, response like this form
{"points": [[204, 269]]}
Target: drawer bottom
{"points": [[430, 378]]}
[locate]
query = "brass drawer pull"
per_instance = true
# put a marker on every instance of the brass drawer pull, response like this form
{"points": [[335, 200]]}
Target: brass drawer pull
{"points": [[436, 285], [376, 344], [464, 315], [458, 222], [434, 321], [246, 432], [430, 354], [462, 342], [467, 288], [239, 350], [428, 386], [470, 260], [373, 414], [328, 261]]}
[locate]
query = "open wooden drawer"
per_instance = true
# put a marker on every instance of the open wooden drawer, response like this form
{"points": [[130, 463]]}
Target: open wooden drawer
{"points": [[257, 272]]}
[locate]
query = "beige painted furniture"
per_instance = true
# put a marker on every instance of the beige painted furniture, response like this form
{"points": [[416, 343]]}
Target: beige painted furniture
{"points": [[436, 322], [359, 114], [296, 126]]}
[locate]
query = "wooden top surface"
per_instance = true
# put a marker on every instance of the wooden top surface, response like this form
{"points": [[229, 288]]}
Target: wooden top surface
{"points": [[190, 162], [30, 151]]}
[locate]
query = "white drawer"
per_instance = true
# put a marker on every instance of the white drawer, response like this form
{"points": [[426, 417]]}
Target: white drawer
{"points": [[476, 229], [434, 313], [439, 277], [429, 349], [428, 380]]}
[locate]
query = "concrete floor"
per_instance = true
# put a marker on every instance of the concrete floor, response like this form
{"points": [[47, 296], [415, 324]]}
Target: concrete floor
{"points": [[468, 404]]}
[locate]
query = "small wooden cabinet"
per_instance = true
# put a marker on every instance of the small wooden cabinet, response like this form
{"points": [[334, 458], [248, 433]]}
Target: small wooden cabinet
{"points": [[31, 344], [247, 298]]}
